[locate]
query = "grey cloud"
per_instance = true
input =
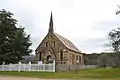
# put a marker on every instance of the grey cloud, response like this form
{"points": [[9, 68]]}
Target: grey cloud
{"points": [[105, 26], [94, 42], [67, 3], [92, 45], [35, 42]]}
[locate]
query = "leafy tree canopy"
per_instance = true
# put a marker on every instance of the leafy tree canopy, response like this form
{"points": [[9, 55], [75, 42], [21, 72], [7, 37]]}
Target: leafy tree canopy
{"points": [[114, 38], [14, 42]]}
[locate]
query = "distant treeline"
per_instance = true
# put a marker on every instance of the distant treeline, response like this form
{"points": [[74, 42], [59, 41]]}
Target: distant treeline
{"points": [[102, 59]]}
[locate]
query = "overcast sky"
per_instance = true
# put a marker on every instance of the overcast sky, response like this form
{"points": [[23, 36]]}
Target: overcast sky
{"points": [[86, 23]]}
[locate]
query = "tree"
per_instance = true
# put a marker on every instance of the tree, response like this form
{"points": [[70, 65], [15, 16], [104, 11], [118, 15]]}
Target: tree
{"points": [[114, 36], [114, 39], [118, 11], [14, 42]]}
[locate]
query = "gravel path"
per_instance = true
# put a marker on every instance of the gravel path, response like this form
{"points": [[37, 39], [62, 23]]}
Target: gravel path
{"points": [[24, 78]]}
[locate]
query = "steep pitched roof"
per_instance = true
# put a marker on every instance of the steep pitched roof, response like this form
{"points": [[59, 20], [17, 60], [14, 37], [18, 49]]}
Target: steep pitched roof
{"points": [[67, 43]]}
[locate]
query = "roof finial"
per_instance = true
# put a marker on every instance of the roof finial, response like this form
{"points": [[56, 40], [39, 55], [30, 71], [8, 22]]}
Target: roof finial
{"points": [[51, 24]]}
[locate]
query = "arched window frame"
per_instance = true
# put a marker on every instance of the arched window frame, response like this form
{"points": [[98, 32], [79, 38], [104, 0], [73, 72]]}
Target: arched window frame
{"points": [[54, 43], [40, 56], [46, 44], [61, 55], [80, 59]]}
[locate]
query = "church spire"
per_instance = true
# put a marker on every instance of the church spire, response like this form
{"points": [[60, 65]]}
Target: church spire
{"points": [[51, 24]]}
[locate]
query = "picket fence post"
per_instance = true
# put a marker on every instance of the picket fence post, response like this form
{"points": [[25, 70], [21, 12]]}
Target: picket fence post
{"points": [[24, 66], [10, 67], [19, 66], [3, 66], [29, 66], [53, 66], [38, 67]]}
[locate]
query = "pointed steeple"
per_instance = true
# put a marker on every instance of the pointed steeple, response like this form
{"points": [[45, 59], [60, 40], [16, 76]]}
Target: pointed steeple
{"points": [[51, 24]]}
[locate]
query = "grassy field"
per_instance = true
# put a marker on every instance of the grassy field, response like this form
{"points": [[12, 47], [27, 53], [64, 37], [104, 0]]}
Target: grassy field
{"points": [[101, 73]]}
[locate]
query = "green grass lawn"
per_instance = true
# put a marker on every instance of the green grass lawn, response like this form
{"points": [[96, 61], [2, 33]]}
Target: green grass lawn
{"points": [[100, 73]]}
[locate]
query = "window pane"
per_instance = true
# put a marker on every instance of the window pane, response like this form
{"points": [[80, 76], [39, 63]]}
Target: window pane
{"points": [[40, 56], [46, 44]]}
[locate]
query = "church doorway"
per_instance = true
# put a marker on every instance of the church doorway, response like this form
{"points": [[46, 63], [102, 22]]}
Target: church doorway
{"points": [[49, 59]]}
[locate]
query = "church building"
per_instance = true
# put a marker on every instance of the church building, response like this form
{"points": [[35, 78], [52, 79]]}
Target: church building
{"points": [[55, 47]]}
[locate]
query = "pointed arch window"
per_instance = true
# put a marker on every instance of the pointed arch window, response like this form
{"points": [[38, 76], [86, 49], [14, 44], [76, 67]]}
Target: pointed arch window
{"points": [[80, 59], [46, 44], [54, 43], [73, 57], [61, 55], [77, 59], [40, 56]]}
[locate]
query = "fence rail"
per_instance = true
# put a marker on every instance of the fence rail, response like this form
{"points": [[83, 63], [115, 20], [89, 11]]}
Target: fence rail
{"points": [[65, 67], [28, 67], [43, 67]]}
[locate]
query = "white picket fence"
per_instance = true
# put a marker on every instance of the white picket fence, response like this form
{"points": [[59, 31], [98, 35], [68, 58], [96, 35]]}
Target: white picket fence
{"points": [[28, 67]]}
